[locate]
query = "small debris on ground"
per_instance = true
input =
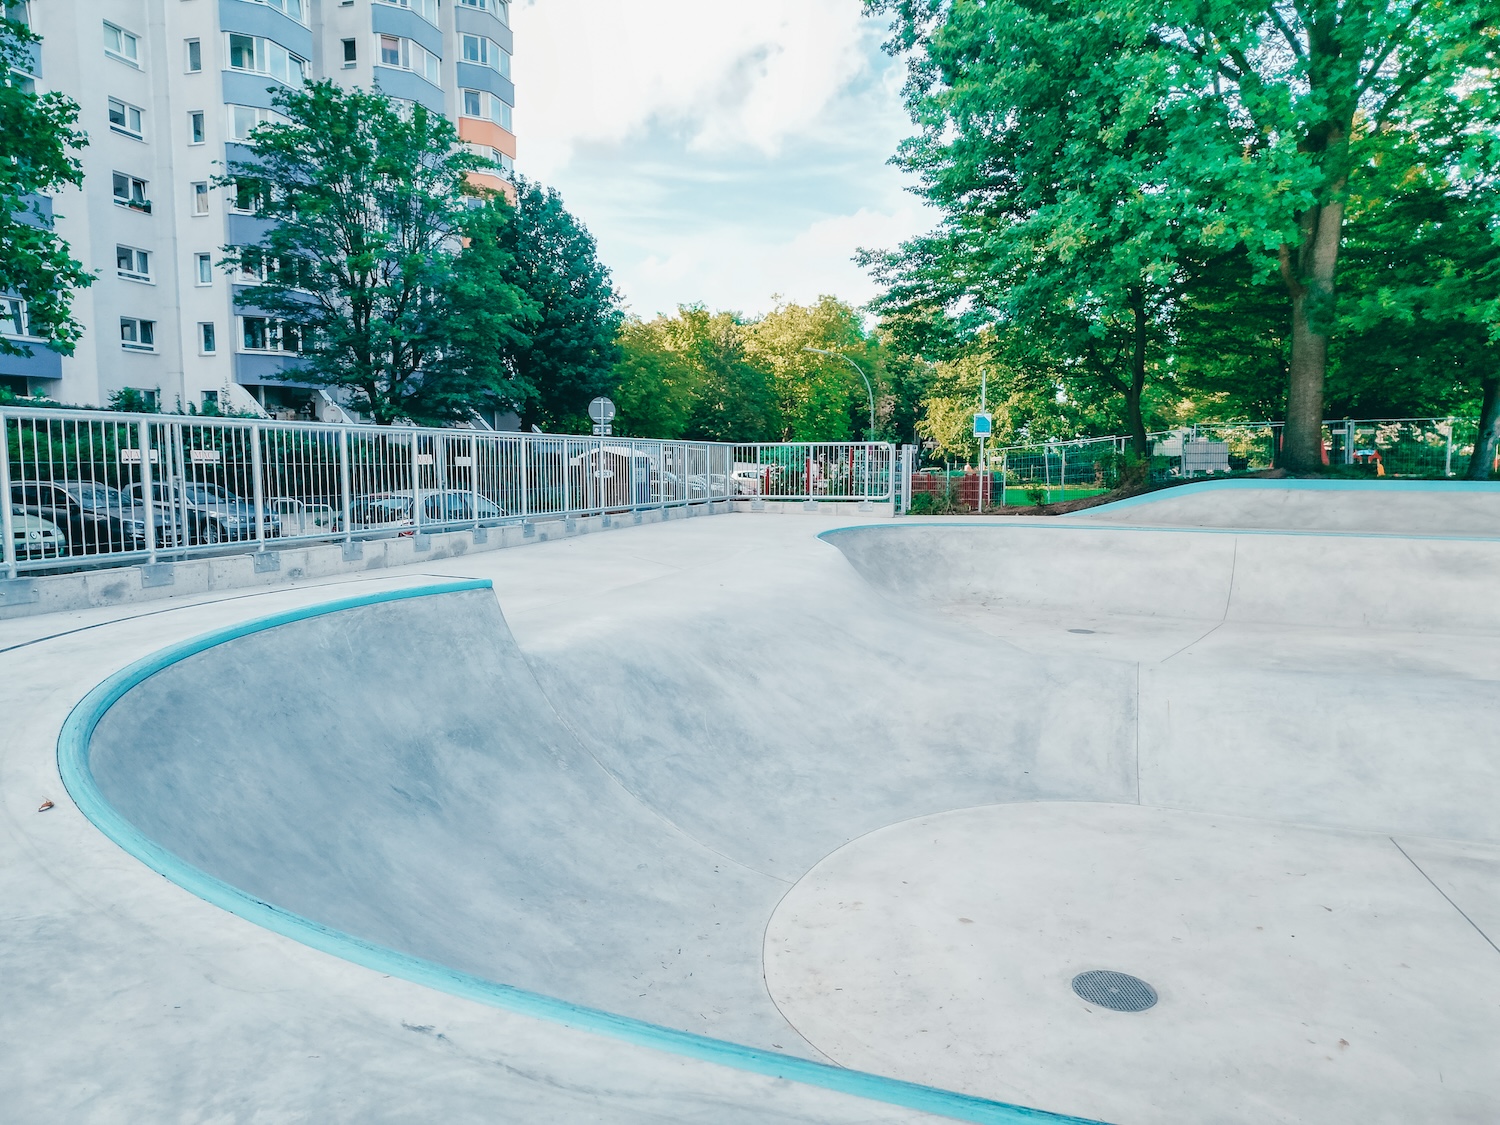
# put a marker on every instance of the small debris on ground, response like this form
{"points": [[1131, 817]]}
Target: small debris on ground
{"points": [[45, 805]]}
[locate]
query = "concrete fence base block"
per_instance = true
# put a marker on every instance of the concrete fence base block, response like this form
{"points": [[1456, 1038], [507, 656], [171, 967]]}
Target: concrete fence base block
{"points": [[421, 542], [810, 506], [528, 530], [353, 552], [18, 591], [481, 536], [266, 561], [154, 575]]}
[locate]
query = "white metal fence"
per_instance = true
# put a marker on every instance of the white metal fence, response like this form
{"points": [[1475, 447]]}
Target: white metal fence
{"points": [[88, 487], [1396, 447]]}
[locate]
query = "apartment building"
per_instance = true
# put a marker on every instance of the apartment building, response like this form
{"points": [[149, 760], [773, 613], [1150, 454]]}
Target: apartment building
{"points": [[168, 91]]}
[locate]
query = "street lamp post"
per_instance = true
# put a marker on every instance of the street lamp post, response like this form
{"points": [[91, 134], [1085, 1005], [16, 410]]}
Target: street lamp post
{"points": [[870, 390]]}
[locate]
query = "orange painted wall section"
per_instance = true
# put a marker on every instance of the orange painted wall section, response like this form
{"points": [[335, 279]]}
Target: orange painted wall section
{"points": [[493, 183], [487, 133]]}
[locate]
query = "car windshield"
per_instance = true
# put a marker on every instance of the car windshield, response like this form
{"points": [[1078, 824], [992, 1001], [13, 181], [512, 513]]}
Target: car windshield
{"points": [[394, 508], [95, 495], [207, 494]]}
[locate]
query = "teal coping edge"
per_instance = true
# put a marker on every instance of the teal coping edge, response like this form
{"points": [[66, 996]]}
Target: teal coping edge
{"points": [[78, 778], [1294, 485]]}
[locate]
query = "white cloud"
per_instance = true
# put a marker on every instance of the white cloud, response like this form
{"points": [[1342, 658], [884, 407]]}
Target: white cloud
{"points": [[722, 153], [725, 74]]}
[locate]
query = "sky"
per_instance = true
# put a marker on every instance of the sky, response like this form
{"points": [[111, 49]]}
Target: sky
{"points": [[722, 153]]}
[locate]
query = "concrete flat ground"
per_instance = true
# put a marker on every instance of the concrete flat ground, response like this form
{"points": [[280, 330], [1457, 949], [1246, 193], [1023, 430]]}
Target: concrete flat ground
{"points": [[868, 795]]}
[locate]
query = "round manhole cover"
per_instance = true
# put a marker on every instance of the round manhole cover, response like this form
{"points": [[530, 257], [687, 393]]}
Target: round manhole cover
{"points": [[1119, 992]]}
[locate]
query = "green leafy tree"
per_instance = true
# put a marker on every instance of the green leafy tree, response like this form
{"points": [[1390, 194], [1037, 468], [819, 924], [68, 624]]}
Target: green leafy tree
{"points": [[1287, 99], [819, 397], [656, 387], [362, 274], [1045, 142], [569, 352], [39, 139]]}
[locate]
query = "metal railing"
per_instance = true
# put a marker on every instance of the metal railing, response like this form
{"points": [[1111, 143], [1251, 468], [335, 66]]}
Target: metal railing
{"points": [[1395, 447], [91, 487], [832, 471]]}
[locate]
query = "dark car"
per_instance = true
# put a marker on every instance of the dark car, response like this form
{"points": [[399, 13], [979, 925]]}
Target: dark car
{"points": [[95, 518], [213, 513]]}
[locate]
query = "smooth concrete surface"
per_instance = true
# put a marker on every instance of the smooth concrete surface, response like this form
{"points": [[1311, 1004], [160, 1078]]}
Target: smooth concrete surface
{"points": [[748, 710], [1291, 964], [1395, 507]]}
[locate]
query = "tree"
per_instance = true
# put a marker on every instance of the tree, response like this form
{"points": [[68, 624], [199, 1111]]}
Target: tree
{"points": [[1420, 322], [1045, 140], [1287, 98], [568, 355], [39, 137], [656, 387], [818, 397], [359, 271]]}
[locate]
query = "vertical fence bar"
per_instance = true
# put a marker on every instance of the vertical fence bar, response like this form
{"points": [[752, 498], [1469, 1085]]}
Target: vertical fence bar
{"points": [[525, 471], [7, 519], [1448, 453], [346, 504], [258, 485], [416, 484], [149, 514]]}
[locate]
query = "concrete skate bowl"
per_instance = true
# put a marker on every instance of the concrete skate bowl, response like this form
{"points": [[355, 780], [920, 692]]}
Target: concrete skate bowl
{"points": [[862, 832], [1397, 507]]}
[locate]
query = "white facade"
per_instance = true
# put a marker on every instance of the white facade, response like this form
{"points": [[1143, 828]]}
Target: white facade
{"points": [[165, 88]]}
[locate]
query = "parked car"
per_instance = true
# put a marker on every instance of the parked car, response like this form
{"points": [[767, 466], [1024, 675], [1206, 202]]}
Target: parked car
{"points": [[298, 517], [34, 537], [214, 514], [383, 510], [94, 518]]}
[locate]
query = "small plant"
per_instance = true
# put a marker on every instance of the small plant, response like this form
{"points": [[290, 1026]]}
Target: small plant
{"points": [[1037, 495]]}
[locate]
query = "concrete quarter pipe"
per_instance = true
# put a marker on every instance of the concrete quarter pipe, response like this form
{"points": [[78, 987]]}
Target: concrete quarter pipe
{"points": [[854, 811]]}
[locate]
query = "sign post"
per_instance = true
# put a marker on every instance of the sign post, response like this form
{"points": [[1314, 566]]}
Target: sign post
{"points": [[602, 411], [984, 426]]}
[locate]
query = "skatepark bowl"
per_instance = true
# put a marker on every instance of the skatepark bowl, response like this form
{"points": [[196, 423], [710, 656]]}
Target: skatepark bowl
{"points": [[1180, 811]]}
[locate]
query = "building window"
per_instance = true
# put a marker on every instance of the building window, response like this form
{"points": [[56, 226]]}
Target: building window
{"points": [[266, 56], [207, 345], [13, 320], [120, 44], [427, 9], [489, 152], [249, 197], [209, 399], [203, 264], [137, 335], [244, 118], [351, 52], [133, 263], [407, 54], [263, 334], [486, 52], [497, 6], [130, 191], [297, 9], [196, 127], [482, 103], [194, 55], [200, 198], [126, 118]]}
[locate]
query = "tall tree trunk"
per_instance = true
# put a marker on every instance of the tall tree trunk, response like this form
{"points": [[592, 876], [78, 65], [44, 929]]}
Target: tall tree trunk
{"points": [[1488, 439], [1134, 416], [1308, 271]]}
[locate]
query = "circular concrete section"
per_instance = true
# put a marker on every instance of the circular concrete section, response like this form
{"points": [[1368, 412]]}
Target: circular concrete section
{"points": [[1292, 966], [597, 781]]}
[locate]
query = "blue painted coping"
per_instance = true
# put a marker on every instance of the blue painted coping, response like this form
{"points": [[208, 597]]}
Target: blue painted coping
{"points": [[1294, 485], [73, 763]]}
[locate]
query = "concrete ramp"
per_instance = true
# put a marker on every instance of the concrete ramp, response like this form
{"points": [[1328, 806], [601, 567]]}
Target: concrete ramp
{"points": [[814, 797], [1396, 507]]}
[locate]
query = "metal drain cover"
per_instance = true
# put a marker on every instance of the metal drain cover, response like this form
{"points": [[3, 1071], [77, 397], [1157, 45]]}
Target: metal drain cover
{"points": [[1119, 992]]}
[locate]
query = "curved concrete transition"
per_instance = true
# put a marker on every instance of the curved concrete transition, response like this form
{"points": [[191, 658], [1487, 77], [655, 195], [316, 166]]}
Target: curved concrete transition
{"points": [[1394, 507], [967, 760]]}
